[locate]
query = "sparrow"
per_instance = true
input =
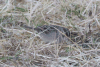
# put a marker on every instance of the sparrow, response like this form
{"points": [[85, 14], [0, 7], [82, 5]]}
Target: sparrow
{"points": [[53, 33]]}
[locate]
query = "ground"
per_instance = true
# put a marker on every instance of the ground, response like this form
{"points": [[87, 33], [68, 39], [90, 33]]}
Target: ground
{"points": [[20, 46]]}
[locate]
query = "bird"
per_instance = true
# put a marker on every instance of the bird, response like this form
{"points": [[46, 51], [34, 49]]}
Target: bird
{"points": [[52, 33]]}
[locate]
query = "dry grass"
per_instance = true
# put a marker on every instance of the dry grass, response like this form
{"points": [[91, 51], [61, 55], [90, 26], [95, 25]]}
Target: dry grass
{"points": [[20, 46]]}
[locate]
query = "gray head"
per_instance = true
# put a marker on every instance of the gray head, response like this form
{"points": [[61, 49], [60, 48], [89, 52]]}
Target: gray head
{"points": [[50, 33]]}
